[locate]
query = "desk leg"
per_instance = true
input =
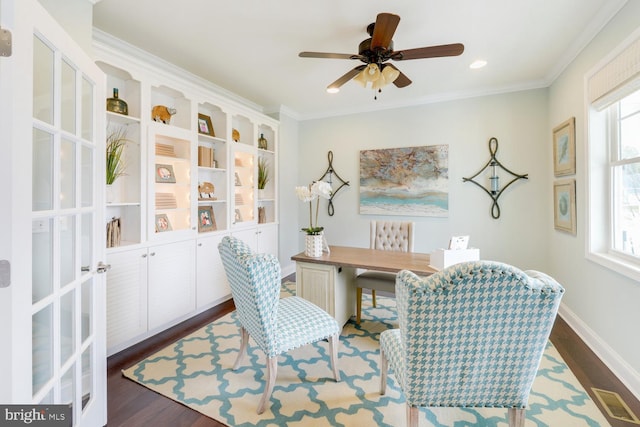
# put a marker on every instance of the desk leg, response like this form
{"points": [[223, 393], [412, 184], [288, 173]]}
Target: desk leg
{"points": [[330, 287]]}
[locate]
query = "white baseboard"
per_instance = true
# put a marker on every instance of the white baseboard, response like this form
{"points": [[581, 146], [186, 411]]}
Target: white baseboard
{"points": [[620, 368], [288, 270]]}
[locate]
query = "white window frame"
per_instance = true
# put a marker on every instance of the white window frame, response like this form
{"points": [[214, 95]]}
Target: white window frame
{"points": [[600, 92]]}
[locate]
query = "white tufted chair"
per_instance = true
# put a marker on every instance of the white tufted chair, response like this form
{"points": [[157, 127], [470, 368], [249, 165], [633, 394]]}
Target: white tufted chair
{"points": [[386, 236]]}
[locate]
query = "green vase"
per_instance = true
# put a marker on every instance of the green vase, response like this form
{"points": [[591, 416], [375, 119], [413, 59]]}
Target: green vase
{"points": [[262, 142], [117, 105]]}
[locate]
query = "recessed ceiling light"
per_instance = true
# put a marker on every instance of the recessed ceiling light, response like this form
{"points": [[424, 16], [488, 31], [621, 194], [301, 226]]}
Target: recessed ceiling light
{"points": [[479, 63]]}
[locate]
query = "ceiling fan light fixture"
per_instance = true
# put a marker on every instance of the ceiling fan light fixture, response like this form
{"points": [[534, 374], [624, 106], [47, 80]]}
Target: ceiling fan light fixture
{"points": [[361, 79], [390, 73], [371, 73], [378, 84]]}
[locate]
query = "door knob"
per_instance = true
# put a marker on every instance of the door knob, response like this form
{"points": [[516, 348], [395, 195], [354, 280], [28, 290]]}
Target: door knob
{"points": [[102, 267]]}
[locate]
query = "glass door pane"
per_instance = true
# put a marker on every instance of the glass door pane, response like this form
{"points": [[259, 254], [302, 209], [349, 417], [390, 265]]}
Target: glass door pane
{"points": [[67, 174], [68, 89], [43, 66], [42, 182]]}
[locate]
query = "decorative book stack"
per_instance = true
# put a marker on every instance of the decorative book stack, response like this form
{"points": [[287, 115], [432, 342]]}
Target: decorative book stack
{"points": [[205, 157]]}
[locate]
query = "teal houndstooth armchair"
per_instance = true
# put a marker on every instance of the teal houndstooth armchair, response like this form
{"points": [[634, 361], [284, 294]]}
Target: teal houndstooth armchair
{"points": [[276, 325], [471, 335]]}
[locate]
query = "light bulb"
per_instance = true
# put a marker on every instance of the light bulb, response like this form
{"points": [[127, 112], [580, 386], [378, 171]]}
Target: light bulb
{"points": [[372, 73]]}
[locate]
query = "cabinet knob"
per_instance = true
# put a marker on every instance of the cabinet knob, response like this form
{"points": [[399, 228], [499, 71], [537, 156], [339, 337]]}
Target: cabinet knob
{"points": [[144, 255], [153, 254], [199, 244]]}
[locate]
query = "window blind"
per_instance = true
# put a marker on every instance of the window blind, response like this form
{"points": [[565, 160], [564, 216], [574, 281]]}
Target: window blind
{"points": [[617, 78]]}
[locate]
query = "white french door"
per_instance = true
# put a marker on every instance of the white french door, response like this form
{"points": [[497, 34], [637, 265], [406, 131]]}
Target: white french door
{"points": [[52, 295]]}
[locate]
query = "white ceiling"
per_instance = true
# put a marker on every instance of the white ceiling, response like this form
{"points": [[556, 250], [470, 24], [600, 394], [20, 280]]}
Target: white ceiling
{"points": [[251, 47]]}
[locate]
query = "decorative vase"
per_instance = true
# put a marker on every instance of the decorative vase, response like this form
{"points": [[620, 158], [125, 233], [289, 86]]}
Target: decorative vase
{"points": [[313, 245], [262, 142], [117, 105], [110, 194]]}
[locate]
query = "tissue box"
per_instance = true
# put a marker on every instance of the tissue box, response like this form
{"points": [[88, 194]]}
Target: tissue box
{"points": [[443, 258]]}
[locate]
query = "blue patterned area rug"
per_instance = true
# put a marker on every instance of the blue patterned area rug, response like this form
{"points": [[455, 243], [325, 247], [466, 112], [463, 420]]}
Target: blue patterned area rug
{"points": [[196, 371]]}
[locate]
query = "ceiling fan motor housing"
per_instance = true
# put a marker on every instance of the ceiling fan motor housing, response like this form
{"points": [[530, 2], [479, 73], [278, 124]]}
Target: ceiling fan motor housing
{"points": [[376, 56]]}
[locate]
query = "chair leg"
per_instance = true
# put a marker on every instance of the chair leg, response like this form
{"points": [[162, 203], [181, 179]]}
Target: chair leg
{"points": [[244, 340], [358, 305], [373, 297], [334, 340], [272, 370], [516, 417], [384, 365], [412, 416]]}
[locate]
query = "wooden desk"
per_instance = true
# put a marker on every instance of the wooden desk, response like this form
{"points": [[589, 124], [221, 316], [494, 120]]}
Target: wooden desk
{"points": [[329, 281]]}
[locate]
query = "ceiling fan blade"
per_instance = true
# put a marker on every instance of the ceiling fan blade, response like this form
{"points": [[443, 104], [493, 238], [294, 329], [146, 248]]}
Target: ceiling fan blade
{"points": [[402, 80], [346, 77], [328, 55], [428, 52], [385, 26]]}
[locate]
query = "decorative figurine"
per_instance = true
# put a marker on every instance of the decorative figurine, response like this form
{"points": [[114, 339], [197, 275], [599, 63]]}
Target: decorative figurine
{"points": [[160, 113]]}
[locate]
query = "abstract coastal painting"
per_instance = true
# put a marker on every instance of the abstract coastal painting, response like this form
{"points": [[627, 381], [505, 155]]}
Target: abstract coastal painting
{"points": [[411, 181]]}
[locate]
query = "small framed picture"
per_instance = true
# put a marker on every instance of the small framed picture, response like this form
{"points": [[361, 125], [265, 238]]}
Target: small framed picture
{"points": [[564, 205], [238, 216], [564, 148], [204, 125], [164, 173], [162, 223], [206, 219]]}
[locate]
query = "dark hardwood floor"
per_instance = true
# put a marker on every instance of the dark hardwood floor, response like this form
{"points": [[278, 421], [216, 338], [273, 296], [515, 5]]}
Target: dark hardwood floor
{"points": [[131, 405]]}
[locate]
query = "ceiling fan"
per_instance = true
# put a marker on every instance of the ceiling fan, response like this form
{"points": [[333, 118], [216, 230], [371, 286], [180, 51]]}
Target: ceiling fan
{"points": [[375, 51]]}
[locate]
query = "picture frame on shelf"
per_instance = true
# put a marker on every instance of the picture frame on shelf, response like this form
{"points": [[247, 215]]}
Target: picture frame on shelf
{"points": [[564, 206], [206, 219], [564, 148], [162, 223], [205, 127], [238, 216], [165, 174]]}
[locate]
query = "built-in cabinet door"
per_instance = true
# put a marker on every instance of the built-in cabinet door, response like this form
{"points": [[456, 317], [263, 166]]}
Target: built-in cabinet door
{"points": [[249, 236], [171, 282], [52, 297], [211, 280], [126, 297], [268, 239], [261, 239]]}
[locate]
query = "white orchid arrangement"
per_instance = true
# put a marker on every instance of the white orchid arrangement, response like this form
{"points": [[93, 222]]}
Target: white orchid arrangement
{"points": [[309, 194]]}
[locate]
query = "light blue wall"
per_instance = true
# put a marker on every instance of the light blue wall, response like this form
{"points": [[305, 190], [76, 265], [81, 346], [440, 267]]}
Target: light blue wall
{"points": [[517, 120], [604, 303]]}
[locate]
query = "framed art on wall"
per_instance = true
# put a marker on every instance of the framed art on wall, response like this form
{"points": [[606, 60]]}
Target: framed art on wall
{"points": [[564, 148], [564, 205], [411, 181]]}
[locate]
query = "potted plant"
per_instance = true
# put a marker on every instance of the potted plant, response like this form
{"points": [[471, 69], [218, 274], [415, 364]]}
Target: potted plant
{"points": [[263, 174], [314, 233], [116, 143]]}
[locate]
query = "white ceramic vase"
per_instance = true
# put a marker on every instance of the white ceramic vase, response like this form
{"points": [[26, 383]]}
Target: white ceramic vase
{"points": [[110, 193], [313, 245]]}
